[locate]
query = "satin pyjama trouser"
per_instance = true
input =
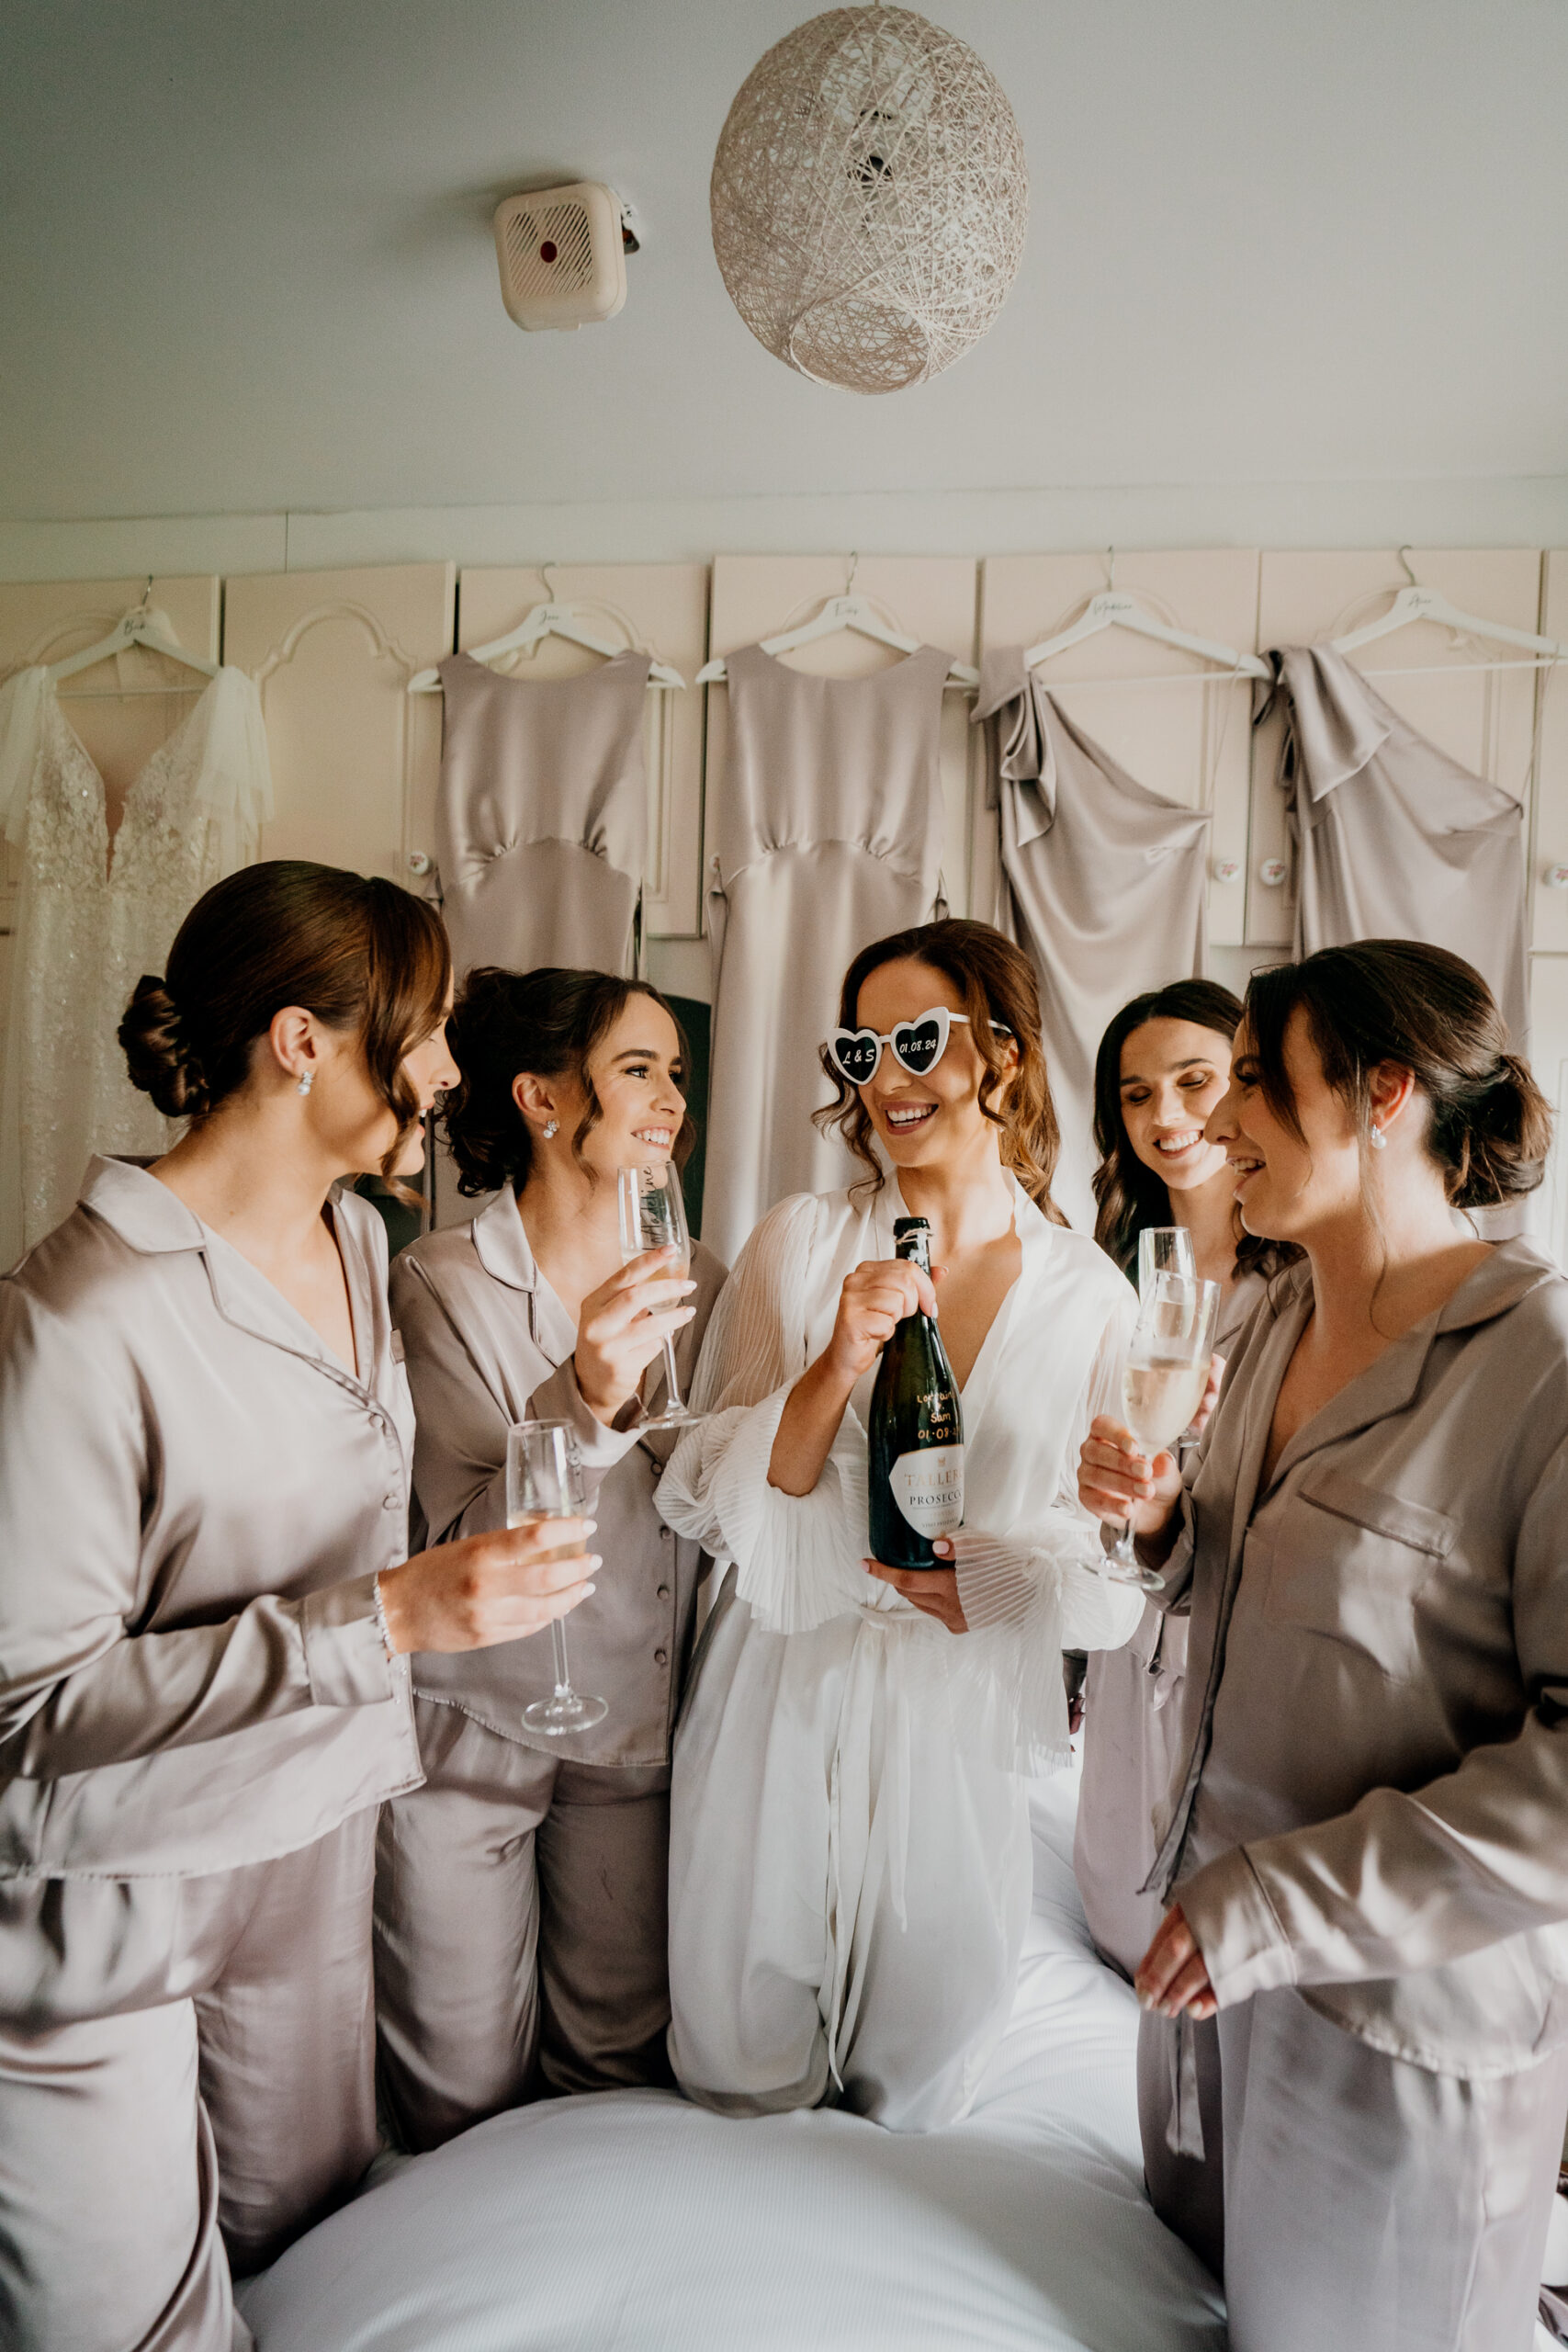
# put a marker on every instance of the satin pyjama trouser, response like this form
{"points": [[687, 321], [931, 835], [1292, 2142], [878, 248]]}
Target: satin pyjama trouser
{"points": [[521, 1929], [1370, 2203], [186, 2082]]}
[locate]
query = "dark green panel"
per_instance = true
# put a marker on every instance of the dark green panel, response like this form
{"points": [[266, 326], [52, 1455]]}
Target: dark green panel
{"points": [[696, 1021]]}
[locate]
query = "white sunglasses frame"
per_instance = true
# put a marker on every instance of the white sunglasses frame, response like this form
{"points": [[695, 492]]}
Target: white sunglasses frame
{"points": [[946, 1019]]}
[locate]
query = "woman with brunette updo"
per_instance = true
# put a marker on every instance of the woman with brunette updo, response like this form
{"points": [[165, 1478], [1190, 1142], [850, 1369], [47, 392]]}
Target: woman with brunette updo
{"points": [[520, 1893], [850, 1861], [205, 1617], [1365, 1849]]}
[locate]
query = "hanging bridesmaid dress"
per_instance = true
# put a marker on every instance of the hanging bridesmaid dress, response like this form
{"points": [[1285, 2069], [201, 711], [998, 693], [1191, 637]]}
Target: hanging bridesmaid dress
{"points": [[92, 918], [830, 836], [541, 821], [1105, 887], [1392, 838]]}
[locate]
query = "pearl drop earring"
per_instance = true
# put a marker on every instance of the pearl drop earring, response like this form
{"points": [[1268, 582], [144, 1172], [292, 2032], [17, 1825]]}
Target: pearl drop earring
{"points": [[552, 1128], [1378, 1140], [307, 1080]]}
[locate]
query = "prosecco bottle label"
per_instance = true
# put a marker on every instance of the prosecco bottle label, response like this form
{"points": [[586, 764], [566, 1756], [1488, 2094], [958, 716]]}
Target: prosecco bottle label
{"points": [[927, 1487]]}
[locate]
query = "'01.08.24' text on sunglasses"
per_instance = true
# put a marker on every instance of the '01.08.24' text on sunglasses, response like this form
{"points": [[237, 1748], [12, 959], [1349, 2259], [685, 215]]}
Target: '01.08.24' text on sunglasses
{"points": [[915, 1045]]}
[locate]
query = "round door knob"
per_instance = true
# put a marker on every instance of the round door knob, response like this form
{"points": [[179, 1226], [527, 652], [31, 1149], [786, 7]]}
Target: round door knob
{"points": [[419, 861], [1273, 871], [1556, 877], [1226, 869]]}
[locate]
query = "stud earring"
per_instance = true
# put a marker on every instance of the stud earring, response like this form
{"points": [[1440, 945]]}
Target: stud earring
{"points": [[552, 1128], [307, 1080], [1378, 1140]]}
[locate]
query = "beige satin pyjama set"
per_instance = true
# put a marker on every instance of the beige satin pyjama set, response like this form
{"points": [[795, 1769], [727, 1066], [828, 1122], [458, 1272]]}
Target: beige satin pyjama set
{"points": [[1369, 1829], [521, 1900], [197, 1722]]}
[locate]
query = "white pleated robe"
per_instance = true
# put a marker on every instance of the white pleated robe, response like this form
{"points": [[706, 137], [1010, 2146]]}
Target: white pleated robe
{"points": [[849, 1850]]}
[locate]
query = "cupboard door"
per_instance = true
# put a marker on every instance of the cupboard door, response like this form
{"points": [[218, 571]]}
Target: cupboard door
{"points": [[1175, 724], [355, 757], [660, 608], [1549, 851], [929, 597], [1547, 1208], [122, 708], [1481, 716]]}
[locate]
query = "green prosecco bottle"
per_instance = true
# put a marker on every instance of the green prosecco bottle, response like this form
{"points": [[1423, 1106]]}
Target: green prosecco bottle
{"points": [[917, 1432]]}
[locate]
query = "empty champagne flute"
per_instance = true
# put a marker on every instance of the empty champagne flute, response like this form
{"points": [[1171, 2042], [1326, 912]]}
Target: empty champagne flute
{"points": [[1165, 1249], [544, 1480], [653, 1216], [1162, 1387]]}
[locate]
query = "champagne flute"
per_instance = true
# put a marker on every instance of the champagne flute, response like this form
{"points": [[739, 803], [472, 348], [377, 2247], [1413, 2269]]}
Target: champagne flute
{"points": [[1165, 1249], [1162, 1386], [653, 1216], [544, 1480]]}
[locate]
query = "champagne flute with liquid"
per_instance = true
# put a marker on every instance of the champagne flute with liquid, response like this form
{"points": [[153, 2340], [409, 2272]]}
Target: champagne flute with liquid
{"points": [[544, 1481], [653, 1216], [1166, 1249], [1162, 1387]]}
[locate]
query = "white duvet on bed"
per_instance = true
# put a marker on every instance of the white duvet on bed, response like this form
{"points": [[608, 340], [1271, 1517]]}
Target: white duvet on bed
{"points": [[632, 2223]]}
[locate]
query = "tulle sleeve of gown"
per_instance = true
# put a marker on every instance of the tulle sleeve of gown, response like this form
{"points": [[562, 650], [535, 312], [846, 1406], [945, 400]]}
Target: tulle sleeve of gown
{"points": [[796, 1556]]}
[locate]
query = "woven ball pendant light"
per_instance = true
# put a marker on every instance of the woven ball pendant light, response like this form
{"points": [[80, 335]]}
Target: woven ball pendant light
{"points": [[869, 199]]}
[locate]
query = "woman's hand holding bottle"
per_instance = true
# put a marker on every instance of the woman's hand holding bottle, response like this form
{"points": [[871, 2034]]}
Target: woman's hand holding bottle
{"points": [[487, 1589], [876, 1298], [623, 1324]]}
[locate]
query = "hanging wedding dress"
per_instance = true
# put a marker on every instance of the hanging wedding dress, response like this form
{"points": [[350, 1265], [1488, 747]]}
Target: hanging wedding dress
{"points": [[89, 923]]}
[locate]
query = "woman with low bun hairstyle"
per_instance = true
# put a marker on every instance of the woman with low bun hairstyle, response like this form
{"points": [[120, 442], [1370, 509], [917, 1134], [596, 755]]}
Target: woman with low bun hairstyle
{"points": [[206, 1612], [521, 1891], [1365, 1851]]}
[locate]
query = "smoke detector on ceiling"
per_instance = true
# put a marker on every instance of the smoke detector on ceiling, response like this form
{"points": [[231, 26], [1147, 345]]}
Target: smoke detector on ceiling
{"points": [[563, 255]]}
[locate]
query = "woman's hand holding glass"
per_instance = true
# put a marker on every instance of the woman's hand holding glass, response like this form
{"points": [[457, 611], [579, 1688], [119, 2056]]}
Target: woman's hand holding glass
{"points": [[623, 1327], [1119, 1482], [487, 1589]]}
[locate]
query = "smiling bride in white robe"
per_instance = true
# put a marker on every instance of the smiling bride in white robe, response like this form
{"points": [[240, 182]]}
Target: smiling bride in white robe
{"points": [[849, 1845]]}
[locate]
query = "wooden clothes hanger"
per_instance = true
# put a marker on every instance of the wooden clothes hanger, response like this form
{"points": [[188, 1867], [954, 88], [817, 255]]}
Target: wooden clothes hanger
{"points": [[145, 626], [838, 614], [549, 619], [1418, 604], [1115, 608]]}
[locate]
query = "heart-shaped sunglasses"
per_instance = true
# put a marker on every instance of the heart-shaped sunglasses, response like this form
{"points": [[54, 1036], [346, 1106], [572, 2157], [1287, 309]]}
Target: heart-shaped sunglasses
{"points": [[915, 1045]]}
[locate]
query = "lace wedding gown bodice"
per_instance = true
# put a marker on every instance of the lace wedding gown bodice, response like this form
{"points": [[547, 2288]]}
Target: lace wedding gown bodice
{"points": [[91, 920]]}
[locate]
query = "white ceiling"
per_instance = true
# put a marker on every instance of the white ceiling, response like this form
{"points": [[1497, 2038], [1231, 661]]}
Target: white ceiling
{"points": [[245, 260]]}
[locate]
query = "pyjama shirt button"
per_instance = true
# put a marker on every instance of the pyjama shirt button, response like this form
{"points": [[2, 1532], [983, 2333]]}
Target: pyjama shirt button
{"points": [[660, 1657], [391, 1502], [664, 1592]]}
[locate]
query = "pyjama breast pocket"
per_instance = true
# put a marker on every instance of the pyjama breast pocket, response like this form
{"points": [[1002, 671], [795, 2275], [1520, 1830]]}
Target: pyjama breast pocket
{"points": [[1350, 1561]]}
